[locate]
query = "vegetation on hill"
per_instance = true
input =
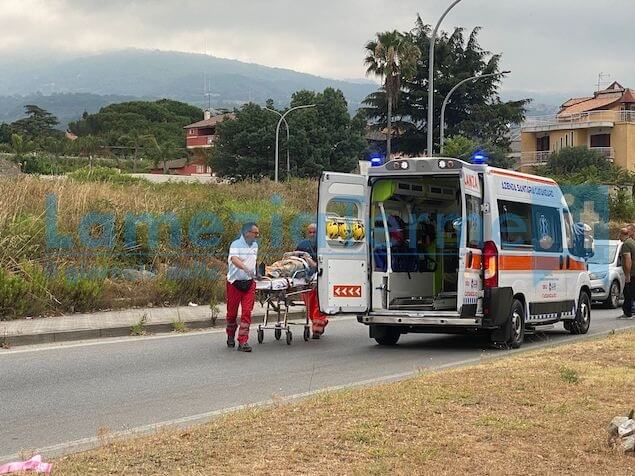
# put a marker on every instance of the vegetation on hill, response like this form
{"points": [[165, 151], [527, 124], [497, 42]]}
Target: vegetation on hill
{"points": [[323, 137]]}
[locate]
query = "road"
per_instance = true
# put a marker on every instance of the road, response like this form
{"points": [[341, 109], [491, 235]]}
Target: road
{"points": [[58, 394]]}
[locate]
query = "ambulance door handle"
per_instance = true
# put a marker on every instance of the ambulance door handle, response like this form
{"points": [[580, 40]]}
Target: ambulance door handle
{"points": [[568, 261], [470, 257], [561, 262]]}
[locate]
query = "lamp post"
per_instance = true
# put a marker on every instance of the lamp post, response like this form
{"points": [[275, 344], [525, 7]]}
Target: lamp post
{"points": [[282, 117], [433, 38], [447, 98]]}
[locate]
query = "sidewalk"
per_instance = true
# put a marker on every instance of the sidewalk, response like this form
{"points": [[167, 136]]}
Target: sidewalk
{"points": [[117, 323]]}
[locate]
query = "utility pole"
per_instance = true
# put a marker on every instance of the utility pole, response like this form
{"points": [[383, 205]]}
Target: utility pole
{"points": [[430, 121]]}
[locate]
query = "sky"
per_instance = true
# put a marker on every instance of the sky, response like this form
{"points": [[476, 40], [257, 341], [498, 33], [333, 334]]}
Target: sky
{"points": [[549, 45]]}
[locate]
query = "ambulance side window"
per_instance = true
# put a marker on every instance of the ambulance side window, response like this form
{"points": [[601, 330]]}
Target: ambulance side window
{"points": [[515, 224], [547, 229], [568, 229], [474, 221]]}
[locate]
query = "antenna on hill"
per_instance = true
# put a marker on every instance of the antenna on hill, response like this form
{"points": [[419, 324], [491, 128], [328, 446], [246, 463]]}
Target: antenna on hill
{"points": [[208, 93], [602, 77]]}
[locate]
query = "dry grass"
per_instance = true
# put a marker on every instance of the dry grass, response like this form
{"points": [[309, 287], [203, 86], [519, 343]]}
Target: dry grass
{"points": [[510, 416]]}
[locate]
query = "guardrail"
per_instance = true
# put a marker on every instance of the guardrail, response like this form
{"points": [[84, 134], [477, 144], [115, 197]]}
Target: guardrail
{"points": [[581, 118]]}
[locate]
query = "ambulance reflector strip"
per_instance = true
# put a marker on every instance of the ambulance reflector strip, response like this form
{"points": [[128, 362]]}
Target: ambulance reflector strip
{"points": [[347, 291], [490, 265]]}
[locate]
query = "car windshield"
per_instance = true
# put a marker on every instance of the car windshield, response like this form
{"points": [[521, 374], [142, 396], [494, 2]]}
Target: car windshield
{"points": [[604, 254]]}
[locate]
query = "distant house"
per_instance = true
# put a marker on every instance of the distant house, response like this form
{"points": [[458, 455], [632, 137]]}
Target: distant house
{"points": [[202, 134], [182, 167], [604, 122]]}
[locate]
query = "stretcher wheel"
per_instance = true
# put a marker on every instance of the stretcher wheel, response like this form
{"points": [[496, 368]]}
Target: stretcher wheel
{"points": [[289, 337], [277, 333], [261, 336], [307, 334]]}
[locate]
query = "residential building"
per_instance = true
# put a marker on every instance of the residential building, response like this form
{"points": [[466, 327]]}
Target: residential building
{"points": [[197, 166], [604, 122], [202, 134]]}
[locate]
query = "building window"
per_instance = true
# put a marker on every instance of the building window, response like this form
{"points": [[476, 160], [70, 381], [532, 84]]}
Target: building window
{"points": [[542, 143], [600, 140]]}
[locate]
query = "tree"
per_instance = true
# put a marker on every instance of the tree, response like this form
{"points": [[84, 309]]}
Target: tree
{"points": [[39, 123], [392, 57], [323, 137], [475, 110], [160, 153]]}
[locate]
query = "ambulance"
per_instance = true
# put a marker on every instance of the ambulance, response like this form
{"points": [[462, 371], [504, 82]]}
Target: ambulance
{"points": [[439, 245]]}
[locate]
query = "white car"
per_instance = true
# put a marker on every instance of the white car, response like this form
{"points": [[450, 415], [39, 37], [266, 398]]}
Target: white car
{"points": [[606, 273]]}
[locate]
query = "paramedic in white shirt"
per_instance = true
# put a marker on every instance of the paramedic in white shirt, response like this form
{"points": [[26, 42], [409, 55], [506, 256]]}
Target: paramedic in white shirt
{"points": [[241, 285]]}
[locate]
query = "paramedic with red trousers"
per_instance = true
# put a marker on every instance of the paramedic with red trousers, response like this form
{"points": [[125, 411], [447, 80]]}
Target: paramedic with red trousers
{"points": [[310, 298], [241, 285]]}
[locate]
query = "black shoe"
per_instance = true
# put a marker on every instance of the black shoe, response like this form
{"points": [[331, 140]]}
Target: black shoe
{"points": [[315, 336], [231, 342], [244, 348]]}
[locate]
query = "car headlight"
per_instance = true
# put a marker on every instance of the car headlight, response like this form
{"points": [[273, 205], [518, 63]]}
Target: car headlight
{"points": [[597, 275]]}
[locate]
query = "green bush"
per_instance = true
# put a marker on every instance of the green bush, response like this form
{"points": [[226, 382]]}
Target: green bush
{"points": [[14, 295], [104, 175], [622, 207], [77, 293]]}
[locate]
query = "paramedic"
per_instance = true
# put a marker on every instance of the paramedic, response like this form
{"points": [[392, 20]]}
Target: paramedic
{"points": [[628, 253], [310, 298], [241, 285]]}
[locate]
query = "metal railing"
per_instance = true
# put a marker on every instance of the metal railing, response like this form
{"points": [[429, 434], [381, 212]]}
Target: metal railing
{"points": [[580, 118], [540, 157]]}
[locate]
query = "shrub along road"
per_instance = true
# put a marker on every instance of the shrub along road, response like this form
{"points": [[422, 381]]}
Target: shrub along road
{"points": [[58, 394]]}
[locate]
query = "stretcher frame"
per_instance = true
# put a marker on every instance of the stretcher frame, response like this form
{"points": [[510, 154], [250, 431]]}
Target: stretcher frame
{"points": [[279, 301]]}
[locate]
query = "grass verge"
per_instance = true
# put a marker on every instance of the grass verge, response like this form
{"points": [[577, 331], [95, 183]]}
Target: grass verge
{"points": [[522, 415]]}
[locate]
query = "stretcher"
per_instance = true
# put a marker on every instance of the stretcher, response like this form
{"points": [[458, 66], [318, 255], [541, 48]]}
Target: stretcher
{"points": [[280, 294]]}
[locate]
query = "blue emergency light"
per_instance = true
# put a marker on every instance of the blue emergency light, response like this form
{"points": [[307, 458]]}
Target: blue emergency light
{"points": [[376, 160], [479, 157]]}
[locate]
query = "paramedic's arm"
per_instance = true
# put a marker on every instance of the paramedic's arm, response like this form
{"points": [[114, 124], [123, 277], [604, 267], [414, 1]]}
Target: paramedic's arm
{"points": [[627, 264], [236, 261]]}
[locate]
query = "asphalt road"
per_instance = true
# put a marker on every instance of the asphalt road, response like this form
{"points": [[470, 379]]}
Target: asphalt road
{"points": [[52, 395]]}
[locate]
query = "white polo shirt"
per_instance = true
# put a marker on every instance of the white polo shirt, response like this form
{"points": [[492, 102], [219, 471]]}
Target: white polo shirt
{"points": [[247, 254]]}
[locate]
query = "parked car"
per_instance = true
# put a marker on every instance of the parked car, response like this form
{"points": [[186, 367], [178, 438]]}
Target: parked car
{"points": [[606, 273]]}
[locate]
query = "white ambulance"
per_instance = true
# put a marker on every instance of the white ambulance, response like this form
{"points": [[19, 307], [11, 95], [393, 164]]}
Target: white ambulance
{"points": [[443, 246]]}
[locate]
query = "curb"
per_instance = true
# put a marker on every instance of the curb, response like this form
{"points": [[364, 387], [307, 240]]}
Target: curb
{"points": [[120, 331]]}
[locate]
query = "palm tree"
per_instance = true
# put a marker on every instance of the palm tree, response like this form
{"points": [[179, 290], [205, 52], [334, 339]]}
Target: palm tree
{"points": [[392, 57]]}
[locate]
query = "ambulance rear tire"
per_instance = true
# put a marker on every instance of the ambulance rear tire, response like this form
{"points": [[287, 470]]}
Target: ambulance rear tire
{"points": [[582, 321], [516, 325], [386, 335]]}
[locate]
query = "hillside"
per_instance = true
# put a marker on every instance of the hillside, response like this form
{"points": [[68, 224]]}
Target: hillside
{"points": [[174, 75]]}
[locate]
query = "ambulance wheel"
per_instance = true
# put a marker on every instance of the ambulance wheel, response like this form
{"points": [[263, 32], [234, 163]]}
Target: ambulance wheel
{"points": [[289, 337], [516, 325], [386, 335], [307, 334], [261, 336], [277, 333], [582, 321]]}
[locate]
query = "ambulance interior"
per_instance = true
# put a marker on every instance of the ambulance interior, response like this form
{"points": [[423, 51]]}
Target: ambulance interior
{"points": [[415, 232]]}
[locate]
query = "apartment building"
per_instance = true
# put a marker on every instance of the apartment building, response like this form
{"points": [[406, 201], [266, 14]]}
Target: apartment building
{"points": [[604, 122]]}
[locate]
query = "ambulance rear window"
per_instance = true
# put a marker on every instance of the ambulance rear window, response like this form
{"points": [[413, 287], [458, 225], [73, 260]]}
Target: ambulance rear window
{"points": [[515, 223]]}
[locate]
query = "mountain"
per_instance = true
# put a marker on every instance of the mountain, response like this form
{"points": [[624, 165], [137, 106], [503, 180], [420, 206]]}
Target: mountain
{"points": [[166, 74]]}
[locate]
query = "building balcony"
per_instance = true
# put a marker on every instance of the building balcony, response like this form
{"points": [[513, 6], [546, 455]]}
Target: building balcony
{"points": [[529, 159], [581, 120]]}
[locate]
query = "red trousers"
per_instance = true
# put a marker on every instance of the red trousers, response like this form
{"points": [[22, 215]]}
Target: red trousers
{"points": [[245, 300], [318, 319]]}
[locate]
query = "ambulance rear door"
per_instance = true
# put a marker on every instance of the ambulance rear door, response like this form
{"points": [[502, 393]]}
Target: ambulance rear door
{"points": [[342, 224], [470, 285]]}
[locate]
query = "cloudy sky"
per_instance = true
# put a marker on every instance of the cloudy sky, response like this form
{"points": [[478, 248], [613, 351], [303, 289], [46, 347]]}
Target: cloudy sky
{"points": [[550, 45]]}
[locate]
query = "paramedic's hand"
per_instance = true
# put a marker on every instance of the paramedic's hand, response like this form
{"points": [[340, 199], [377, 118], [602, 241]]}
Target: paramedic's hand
{"points": [[627, 279], [250, 273]]}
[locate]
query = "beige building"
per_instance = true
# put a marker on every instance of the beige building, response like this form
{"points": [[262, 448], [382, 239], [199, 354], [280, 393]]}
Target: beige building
{"points": [[604, 122]]}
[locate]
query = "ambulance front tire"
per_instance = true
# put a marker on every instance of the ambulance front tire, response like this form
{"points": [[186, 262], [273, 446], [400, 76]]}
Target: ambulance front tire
{"points": [[385, 335], [582, 321]]}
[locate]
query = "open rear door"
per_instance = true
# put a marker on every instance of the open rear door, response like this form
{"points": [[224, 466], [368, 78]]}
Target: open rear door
{"points": [[343, 280], [470, 285]]}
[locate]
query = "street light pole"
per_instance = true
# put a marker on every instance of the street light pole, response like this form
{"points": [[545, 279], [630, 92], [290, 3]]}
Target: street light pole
{"points": [[282, 118], [278, 135], [447, 98], [433, 39]]}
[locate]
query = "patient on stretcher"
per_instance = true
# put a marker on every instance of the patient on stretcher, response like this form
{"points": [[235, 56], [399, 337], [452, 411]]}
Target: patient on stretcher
{"points": [[290, 264]]}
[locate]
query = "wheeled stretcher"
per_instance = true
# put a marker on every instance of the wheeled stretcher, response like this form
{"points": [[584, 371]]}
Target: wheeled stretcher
{"points": [[280, 294]]}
